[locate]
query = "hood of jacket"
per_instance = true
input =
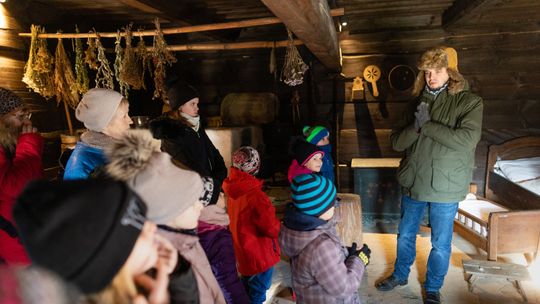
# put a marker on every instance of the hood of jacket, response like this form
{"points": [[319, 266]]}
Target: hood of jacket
{"points": [[293, 240], [239, 183]]}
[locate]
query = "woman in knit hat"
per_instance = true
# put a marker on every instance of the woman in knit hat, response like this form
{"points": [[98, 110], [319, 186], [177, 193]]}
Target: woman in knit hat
{"points": [[319, 136], [308, 158], [104, 113], [21, 148], [323, 270], [254, 225], [183, 137], [94, 234], [175, 198]]}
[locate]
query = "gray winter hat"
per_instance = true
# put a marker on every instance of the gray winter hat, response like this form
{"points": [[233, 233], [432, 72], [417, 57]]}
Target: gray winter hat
{"points": [[97, 108]]}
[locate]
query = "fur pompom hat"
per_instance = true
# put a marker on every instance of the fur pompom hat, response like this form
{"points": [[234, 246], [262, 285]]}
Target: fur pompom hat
{"points": [[167, 189], [436, 58]]}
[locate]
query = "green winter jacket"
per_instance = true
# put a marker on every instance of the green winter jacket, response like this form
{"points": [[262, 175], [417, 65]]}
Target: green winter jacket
{"points": [[439, 159]]}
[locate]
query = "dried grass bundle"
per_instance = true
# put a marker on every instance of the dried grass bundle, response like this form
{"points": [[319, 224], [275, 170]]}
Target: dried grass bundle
{"points": [[161, 57], [124, 87], [104, 75], [294, 67], [91, 54], [64, 79], [132, 68], [144, 59], [82, 81], [38, 71]]}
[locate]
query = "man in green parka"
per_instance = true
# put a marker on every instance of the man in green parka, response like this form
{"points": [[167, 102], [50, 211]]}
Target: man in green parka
{"points": [[439, 134]]}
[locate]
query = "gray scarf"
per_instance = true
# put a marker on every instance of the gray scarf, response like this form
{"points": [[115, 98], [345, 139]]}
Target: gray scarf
{"points": [[193, 121]]}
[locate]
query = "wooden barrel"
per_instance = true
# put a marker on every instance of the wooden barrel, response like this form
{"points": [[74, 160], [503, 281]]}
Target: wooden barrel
{"points": [[240, 109], [349, 212], [68, 141]]}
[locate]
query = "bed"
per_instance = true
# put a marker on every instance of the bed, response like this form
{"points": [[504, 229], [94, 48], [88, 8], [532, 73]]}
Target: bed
{"points": [[507, 219]]}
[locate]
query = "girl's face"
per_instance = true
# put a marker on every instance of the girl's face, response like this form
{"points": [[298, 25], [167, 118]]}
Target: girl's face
{"points": [[328, 214], [314, 163], [189, 218], [191, 107], [145, 252], [324, 141], [120, 122]]}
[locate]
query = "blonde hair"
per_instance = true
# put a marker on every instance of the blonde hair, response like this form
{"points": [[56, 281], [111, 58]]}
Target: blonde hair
{"points": [[121, 290], [436, 58]]}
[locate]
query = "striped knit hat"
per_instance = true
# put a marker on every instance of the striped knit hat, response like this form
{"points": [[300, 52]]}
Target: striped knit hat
{"points": [[313, 194], [315, 134]]}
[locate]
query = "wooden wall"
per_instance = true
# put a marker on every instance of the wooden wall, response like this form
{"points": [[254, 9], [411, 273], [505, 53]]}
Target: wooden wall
{"points": [[502, 66]]}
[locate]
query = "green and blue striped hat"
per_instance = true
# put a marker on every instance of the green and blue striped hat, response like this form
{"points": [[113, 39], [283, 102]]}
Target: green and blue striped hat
{"points": [[315, 134], [313, 194]]}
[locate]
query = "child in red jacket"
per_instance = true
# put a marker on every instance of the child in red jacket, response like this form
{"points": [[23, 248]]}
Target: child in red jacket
{"points": [[253, 225]]}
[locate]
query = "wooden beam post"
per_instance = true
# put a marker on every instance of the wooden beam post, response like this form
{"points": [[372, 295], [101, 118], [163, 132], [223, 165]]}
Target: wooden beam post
{"points": [[310, 21], [463, 9]]}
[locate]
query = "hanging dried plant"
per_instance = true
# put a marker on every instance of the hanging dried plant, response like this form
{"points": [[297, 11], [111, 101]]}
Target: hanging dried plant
{"points": [[91, 54], [294, 67], [38, 71], [124, 87], [161, 57], [131, 69], [104, 75], [64, 79], [144, 59], [82, 81]]}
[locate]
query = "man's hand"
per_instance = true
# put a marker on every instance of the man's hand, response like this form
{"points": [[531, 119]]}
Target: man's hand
{"points": [[422, 115]]}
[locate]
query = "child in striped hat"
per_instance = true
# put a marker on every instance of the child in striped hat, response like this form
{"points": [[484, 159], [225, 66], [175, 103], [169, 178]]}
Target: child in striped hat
{"points": [[319, 136], [307, 158], [323, 270]]}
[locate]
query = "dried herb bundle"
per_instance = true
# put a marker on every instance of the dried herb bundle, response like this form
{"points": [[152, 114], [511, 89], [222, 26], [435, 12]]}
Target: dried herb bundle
{"points": [[82, 81], [38, 71], [104, 75], [144, 59], [124, 87], [64, 79], [161, 58], [294, 67], [91, 54], [131, 68]]}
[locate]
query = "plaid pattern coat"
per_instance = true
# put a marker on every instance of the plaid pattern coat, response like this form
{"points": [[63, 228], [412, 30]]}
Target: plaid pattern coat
{"points": [[321, 271]]}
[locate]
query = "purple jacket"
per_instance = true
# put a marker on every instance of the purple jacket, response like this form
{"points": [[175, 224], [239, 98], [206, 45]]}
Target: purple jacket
{"points": [[321, 271]]}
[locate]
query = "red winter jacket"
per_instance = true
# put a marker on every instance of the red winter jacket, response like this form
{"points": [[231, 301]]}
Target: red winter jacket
{"points": [[15, 172], [254, 225]]}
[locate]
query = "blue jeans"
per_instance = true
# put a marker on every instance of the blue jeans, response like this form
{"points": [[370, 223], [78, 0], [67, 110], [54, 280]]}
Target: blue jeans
{"points": [[257, 285], [441, 219]]}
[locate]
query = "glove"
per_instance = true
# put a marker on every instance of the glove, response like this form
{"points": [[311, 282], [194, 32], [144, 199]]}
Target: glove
{"points": [[364, 253], [422, 115]]}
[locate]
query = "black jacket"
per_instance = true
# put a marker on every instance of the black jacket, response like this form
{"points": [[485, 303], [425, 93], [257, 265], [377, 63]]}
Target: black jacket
{"points": [[192, 149]]}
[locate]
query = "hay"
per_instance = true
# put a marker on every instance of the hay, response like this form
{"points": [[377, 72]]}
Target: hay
{"points": [[161, 58], [38, 70], [64, 78]]}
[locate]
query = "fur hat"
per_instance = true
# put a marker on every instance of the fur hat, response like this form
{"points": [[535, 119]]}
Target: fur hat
{"points": [[315, 134], [167, 189], [83, 230], [247, 159], [313, 194], [97, 108], [8, 101], [436, 58], [304, 151], [178, 93]]}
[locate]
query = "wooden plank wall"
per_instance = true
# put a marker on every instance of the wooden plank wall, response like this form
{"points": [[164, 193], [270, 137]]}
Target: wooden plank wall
{"points": [[502, 68]]}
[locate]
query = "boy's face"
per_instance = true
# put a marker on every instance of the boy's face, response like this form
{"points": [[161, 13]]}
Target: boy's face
{"points": [[328, 214], [324, 141], [436, 78], [314, 163], [189, 218]]}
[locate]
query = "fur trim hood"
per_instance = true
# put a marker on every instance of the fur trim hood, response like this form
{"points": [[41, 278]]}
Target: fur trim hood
{"points": [[167, 127], [436, 58], [131, 155]]}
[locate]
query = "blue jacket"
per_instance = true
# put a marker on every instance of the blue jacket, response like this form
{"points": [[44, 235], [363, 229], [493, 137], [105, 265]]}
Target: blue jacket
{"points": [[327, 169], [83, 161]]}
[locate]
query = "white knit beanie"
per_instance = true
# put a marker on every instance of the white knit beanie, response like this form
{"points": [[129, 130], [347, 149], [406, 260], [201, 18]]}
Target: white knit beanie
{"points": [[97, 108]]}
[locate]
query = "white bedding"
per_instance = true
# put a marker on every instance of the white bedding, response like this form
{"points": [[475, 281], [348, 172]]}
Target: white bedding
{"points": [[524, 172], [478, 208]]}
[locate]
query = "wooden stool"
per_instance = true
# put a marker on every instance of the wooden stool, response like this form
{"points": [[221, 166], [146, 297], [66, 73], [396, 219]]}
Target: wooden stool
{"points": [[349, 212], [511, 272]]}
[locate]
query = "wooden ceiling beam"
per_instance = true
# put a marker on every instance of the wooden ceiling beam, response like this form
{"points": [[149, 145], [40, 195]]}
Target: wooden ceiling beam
{"points": [[463, 9], [311, 22]]}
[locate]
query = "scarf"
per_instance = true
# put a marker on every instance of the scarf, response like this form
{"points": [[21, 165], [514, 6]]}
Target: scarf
{"points": [[436, 91], [194, 121], [97, 139]]}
